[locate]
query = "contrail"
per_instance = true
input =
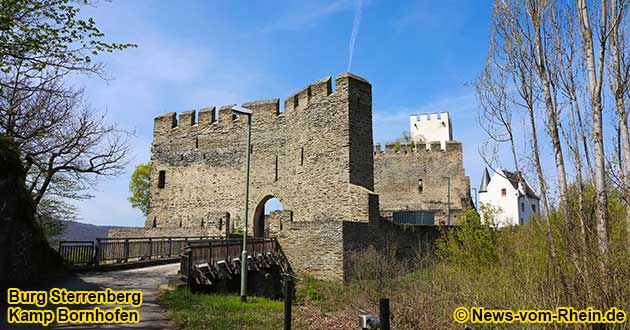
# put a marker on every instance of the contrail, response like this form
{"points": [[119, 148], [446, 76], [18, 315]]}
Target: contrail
{"points": [[358, 10]]}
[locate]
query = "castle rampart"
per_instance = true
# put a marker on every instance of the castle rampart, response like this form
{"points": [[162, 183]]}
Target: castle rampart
{"points": [[315, 157], [414, 177]]}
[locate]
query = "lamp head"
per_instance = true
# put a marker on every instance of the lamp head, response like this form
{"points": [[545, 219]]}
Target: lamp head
{"points": [[241, 110]]}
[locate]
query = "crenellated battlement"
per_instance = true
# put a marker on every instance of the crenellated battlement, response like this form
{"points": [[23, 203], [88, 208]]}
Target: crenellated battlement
{"points": [[301, 99], [431, 127], [434, 116], [262, 109], [417, 147]]}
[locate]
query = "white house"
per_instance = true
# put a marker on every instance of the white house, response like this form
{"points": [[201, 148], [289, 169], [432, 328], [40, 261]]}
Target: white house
{"points": [[516, 200], [431, 128]]}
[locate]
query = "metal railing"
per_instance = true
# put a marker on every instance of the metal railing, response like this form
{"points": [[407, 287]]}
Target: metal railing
{"points": [[80, 253]]}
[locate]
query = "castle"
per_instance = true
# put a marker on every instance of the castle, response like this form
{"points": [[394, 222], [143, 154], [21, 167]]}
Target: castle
{"points": [[318, 158]]}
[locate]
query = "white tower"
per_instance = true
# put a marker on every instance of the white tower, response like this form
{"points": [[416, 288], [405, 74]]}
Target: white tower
{"points": [[431, 127]]}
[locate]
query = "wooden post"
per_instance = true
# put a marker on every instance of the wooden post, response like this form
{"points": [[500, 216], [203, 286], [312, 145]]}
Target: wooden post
{"points": [[170, 248], [150, 248], [126, 249], [383, 308], [97, 252], [288, 297]]}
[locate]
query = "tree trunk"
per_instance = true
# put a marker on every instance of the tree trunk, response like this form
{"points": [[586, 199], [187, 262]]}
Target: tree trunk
{"points": [[619, 91], [599, 175]]}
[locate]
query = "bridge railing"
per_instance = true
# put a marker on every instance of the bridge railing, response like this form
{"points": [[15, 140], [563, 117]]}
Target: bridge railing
{"points": [[80, 253], [142, 248], [212, 252], [127, 249]]}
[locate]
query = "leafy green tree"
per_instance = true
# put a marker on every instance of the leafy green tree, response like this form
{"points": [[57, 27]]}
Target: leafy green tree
{"points": [[40, 37], [470, 245], [139, 187]]}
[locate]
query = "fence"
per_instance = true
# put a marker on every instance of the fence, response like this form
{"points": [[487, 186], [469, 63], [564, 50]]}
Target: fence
{"points": [[143, 248], [128, 249], [77, 252]]}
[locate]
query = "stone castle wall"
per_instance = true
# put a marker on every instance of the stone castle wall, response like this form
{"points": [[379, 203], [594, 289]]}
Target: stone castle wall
{"points": [[315, 157], [318, 158], [398, 169], [324, 248], [164, 232]]}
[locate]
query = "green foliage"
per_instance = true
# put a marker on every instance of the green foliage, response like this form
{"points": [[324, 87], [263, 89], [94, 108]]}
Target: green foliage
{"points": [[222, 312], [139, 187], [471, 245], [37, 35], [309, 289]]}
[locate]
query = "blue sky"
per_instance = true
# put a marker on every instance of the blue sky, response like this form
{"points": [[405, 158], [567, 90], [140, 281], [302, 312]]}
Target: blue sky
{"points": [[420, 56]]}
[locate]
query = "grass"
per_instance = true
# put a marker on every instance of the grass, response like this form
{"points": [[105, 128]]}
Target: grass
{"points": [[222, 312]]}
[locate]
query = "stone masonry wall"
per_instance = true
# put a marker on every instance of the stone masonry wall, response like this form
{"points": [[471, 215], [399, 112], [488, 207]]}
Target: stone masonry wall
{"points": [[397, 170], [408, 241], [315, 248], [323, 248], [163, 232], [315, 157]]}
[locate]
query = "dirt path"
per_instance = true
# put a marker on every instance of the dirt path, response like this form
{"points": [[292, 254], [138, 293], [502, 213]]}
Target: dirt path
{"points": [[148, 280]]}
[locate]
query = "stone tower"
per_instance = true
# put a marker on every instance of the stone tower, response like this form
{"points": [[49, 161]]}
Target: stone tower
{"points": [[431, 127], [315, 157]]}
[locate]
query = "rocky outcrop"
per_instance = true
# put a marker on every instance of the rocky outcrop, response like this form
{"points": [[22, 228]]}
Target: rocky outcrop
{"points": [[25, 256]]}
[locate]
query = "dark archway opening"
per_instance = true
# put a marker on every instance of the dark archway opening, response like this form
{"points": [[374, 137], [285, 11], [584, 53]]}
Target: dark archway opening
{"points": [[266, 205]]}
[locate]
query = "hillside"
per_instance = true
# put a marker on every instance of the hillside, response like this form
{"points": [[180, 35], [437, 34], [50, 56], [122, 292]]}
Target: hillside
{"points": [[77, 231]]}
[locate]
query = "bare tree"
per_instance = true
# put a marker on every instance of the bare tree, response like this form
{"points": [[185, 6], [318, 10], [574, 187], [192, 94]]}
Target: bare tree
{"points": [[497, 105], [619, 84], [538, 12], [63, 145], [595, 71]]}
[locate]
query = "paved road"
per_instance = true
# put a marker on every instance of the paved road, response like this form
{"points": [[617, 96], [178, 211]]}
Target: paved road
{"points": [[148, 280]]}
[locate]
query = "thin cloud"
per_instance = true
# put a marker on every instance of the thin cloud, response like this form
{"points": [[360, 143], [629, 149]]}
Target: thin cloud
{"points": [[305, 15], [356, 25]]}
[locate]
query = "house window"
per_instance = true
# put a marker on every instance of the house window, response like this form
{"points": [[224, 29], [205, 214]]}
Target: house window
{"points": [[161, 179], [522, 207], [534, 208], [503, 192], [420, 185], [302, 156]]}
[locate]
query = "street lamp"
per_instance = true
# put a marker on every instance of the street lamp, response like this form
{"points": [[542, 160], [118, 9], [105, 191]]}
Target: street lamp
{"points": [[247, 112]]}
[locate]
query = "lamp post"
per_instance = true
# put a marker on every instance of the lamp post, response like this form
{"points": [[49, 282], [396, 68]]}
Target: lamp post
{"points": [[248, 113]]}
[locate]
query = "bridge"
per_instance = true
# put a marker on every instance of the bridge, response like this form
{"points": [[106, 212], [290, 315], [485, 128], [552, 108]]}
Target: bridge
{"points": [[206, 263]]}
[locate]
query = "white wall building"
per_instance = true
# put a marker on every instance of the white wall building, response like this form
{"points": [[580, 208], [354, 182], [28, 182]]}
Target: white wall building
{"points": [[431, 127], [516, 200]]}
